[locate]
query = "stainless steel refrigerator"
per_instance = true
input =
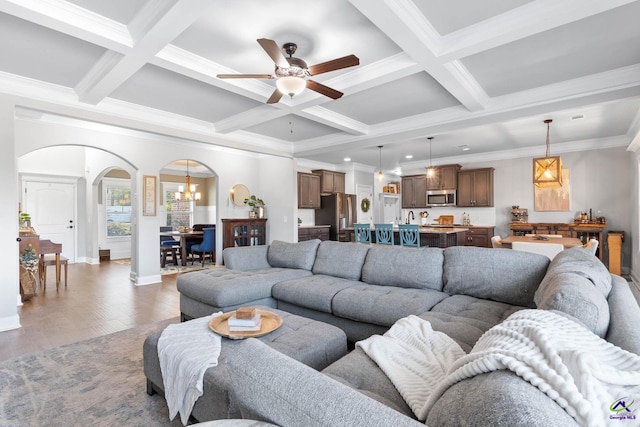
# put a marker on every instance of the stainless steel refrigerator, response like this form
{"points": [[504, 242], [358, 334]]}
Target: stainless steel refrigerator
{"points": [[338, 211]]}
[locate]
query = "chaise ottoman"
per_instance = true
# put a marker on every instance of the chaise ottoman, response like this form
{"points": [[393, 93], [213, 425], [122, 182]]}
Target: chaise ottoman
{"points": [[313, 343]]}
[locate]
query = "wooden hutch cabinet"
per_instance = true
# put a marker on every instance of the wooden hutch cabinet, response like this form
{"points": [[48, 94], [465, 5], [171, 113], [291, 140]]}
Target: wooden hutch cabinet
{"points": [[475, 188], [330, 181], [414, 191], [243, 232], [308, 191], [444, 178]]}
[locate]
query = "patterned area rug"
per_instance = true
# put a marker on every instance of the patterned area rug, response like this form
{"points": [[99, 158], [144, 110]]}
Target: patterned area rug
{"points": [[185, 269], [97, 382]]}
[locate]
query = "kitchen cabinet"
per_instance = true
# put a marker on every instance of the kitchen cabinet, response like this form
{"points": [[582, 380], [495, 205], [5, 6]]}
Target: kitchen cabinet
{"points": [[475, 188], [330, 181], [444, 178], [414, 191], [308, 191], [479, 236], [316, 232], [243, 232]]}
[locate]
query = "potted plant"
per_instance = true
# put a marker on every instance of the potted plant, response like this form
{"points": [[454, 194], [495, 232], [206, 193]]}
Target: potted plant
{"points": [[257, 206], [25, 220]]}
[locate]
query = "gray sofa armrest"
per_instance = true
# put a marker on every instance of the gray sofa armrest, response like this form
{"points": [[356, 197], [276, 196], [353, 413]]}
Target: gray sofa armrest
{"points": [[270, 386], [246, 258], [625, 316]]}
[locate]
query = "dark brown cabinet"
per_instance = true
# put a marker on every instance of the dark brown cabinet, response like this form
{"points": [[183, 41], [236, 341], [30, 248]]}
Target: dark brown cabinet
{"points": [[308, 191], [475, 188], [243, 232], [479, 236], [330, 181], [444, 178], [414, 191], [310, 233]]}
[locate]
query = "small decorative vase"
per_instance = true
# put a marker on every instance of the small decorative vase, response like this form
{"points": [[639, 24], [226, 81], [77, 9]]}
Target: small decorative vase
{"points": [[259, 212]]}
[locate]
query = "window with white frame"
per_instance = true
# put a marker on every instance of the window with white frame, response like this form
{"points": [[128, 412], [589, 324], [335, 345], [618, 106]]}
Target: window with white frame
{"points": [[179, 212], [117, 202]]}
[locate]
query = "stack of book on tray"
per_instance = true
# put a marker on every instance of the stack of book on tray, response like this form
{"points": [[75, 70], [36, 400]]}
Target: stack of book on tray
{"points": [[245, 319]]}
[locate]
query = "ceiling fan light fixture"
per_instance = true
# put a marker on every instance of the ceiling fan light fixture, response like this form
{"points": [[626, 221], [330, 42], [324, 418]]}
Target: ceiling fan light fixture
{"points": [[291, 85], [547, 171]]}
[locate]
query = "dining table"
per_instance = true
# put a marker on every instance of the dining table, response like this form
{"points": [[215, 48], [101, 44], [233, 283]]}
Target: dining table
{"points": [[184, 236], [567, 242]]}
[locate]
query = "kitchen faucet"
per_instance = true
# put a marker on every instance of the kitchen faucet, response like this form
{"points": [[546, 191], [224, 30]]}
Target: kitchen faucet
{"points": [[412, 217]]}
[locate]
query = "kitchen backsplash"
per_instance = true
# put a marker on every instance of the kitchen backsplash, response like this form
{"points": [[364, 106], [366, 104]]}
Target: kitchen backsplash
{"points": [[477, 216]]}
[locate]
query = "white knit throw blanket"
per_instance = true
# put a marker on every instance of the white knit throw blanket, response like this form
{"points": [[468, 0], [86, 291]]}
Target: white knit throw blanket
{"points": [[186, 350], [590, 378]]}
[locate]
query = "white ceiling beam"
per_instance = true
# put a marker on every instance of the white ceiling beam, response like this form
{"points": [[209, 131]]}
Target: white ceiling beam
{"points": [[75, 21], [402, 21], [527, 20], [331, 118], [156, 25]]}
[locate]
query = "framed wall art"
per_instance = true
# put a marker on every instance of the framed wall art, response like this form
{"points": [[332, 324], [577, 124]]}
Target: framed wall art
{"points": [[554, 199], [149, 193]]}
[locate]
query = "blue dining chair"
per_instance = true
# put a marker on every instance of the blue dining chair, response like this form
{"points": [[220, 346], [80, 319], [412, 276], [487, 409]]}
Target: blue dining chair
{"points": [[384, 234], [363, 233], [208, 245], [409, 235], [169, 248]]}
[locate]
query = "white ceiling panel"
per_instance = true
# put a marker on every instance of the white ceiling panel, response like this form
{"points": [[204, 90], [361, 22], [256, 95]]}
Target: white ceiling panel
{"points": [[481, 74]]}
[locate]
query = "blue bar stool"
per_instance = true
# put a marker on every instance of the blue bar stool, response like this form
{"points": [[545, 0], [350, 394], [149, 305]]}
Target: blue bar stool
{"points": [[363, 233], [409, 235], [384, 234]]}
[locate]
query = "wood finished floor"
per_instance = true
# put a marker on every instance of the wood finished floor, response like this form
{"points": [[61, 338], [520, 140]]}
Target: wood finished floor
{"points": [[98, 300]]}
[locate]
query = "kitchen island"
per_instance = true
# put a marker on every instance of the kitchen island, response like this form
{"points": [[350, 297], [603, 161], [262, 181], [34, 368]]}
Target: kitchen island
{"points": [[434, 237]]}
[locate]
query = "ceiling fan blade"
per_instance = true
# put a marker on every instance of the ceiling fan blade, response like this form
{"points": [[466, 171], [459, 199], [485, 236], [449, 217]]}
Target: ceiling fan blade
{"points": [[274, 52], [244, 76], [323, 90], [275, 97], [335, 64]]}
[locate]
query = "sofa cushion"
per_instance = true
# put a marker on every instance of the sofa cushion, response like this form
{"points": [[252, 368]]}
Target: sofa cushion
{"points": [[246, 257], [222, 287], [340, 259], [486, 312], [578, 261], [315, 292], [463, 330], [502, 275], [404, 267], [293, 255], [383, 305], [576, 296]]}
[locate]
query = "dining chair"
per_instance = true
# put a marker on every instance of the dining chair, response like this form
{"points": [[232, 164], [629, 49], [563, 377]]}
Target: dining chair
{"points": [[208, 245], [409, 235], [362, 232], [550, 250], [591, 246], [384, 234], [47, 260], [496, 241]]}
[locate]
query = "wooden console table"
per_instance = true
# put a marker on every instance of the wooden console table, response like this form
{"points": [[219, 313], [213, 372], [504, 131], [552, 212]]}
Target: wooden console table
{"points": [[582, 231]]}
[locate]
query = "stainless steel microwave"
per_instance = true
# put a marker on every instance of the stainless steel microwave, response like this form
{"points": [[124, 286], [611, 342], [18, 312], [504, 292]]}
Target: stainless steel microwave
{"points": [[441, 198]]}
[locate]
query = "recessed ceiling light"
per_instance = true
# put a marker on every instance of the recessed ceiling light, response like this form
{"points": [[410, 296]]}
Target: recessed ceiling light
{"points": [[464, 147], [577, 117], [347, 159], [409, 156]]}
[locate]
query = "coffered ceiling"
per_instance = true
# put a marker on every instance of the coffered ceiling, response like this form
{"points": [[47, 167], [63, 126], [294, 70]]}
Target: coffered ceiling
{"points": [[477, 75]]}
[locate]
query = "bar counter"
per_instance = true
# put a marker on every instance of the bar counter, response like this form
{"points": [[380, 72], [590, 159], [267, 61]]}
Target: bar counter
{"points": [[435, 237]]}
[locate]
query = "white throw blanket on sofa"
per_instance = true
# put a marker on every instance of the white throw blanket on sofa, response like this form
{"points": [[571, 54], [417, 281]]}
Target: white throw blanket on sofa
{"points": [[186, 350], [584, 374]]}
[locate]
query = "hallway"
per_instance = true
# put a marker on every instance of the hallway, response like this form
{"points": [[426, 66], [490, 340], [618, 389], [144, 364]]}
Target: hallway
{"points": [[98, 300]]}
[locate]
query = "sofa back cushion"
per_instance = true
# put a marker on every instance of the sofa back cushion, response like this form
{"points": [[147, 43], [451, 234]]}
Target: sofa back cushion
{"points": [[246, 258], [502, 275], [404, 267], [293, 255], [340, 259], [577, 284]]}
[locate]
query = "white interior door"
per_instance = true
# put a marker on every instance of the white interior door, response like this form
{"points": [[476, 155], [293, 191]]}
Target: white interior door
{"points": [[362, 192], [52, 209]]}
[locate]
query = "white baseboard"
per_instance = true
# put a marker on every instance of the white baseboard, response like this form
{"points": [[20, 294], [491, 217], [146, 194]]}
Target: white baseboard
{"points": [[9, 323], [145, 280]]}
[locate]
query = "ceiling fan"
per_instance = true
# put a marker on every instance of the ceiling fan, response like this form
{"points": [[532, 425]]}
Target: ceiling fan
{"points": [[291, 72]]}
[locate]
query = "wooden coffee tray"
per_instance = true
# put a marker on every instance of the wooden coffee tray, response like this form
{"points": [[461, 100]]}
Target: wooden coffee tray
{"points": [[270, 322]]}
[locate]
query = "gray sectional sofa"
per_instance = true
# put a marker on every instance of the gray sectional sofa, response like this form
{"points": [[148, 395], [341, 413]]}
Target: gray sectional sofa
{"points": [[364, 290]]}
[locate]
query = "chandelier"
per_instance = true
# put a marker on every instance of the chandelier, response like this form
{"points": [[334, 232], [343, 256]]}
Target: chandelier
{"points": [[547, 171], [191, 193], [380, 173], [430, 170]]}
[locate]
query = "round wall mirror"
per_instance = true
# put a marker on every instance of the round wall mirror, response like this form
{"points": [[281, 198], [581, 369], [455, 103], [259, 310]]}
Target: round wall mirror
{"points": [[239, 192]]}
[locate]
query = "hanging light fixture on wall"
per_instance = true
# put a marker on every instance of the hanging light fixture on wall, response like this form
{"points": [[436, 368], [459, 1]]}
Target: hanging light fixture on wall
{"points": [[430, 170], [547, 171], [380, 173], [190, 193]]}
